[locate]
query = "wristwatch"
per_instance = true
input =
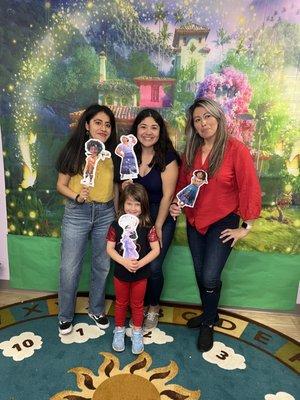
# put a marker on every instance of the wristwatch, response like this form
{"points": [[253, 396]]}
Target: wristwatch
{"points": [[246, 226]]}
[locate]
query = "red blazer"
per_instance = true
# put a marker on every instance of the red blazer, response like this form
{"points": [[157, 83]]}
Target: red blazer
{"points": [[233, 188]]}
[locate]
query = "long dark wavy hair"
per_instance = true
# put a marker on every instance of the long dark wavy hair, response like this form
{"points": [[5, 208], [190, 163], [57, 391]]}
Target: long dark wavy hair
{"points": [[194, 140], [71, 159], [162, 146], [138, 193]]}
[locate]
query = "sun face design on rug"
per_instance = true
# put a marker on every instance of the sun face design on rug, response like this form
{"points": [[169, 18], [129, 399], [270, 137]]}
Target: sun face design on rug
{"points": [[134, 381]]}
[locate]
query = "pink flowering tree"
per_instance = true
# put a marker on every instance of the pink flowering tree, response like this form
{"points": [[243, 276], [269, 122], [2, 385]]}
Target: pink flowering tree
{"points": [[231, 89]]}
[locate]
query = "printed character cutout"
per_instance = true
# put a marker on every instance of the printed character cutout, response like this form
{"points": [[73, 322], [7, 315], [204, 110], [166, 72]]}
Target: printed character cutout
{"points": [[94, 151], [129, 166], [188, 195], [129, 223]]}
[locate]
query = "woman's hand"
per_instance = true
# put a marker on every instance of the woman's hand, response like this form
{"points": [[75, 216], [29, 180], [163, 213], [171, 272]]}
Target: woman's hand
{"points": [[159, 234], [175, 210], [126, 183], [235, 234], [84, 194]]}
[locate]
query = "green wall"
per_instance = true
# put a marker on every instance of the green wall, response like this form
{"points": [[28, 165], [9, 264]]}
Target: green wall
{"points": [[250, 279]]}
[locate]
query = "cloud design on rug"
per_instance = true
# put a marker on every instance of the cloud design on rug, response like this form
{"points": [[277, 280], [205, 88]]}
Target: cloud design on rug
{"points": [[224, 357], [21, 346], [81, 333], [279, 396], [155, 336]]}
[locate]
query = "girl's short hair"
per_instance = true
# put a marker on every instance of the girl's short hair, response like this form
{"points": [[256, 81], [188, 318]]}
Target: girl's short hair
{"points": [[138, 193]]}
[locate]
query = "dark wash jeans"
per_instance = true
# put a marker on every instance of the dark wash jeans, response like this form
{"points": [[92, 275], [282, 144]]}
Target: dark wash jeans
{"points": [[156, 280], [208, 252], [209, 257]]}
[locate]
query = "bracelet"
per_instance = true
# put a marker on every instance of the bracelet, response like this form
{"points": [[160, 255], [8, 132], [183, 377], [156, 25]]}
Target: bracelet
{"points": [[76, 200]]}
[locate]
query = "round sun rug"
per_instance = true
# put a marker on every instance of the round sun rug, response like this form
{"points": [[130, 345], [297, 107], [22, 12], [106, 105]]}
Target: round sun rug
{"points": [[247, 361]]}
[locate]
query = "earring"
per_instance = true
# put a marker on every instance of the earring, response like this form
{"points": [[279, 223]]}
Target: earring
{"points": [[87, 133]]}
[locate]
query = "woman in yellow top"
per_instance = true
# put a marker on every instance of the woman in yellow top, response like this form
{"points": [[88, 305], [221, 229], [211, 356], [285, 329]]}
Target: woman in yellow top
{"points": [[89, 211]]}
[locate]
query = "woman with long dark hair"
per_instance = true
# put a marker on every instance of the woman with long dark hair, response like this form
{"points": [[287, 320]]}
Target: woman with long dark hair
{"points": [[158, 172], [89, 211], [213, 224]]}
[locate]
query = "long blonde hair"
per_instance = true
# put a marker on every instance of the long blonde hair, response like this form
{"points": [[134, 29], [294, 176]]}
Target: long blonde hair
{"points": [[194, 140]]}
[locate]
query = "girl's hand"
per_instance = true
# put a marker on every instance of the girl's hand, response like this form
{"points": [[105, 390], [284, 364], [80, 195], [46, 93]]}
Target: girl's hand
{"points": [[126, 183], [130, 264], [175, 210], [235, 234], [84, 194]]}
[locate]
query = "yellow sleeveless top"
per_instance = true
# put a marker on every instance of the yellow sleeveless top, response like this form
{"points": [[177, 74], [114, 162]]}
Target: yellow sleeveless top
{"points": [[103, 190]]}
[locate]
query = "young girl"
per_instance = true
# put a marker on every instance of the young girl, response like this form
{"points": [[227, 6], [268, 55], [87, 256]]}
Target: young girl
{"points": [[158, 171], [130, 276], [89, 211]]}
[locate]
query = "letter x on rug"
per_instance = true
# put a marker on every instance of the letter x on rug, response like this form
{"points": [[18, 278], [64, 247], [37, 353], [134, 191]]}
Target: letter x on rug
{"points": [[247, 361]]}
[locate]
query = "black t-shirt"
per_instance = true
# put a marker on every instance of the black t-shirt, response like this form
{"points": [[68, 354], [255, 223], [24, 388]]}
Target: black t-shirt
{"points": [[145, 235]]}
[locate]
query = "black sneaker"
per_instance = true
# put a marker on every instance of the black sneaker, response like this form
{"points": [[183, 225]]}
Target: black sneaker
{"points": [[65, 327], [197, 321], [205, 338], [100, 320]]}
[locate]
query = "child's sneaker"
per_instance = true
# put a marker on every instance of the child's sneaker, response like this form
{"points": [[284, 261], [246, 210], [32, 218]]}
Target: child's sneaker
{"points": [[137, 341], [118, 343], [65, 327]]}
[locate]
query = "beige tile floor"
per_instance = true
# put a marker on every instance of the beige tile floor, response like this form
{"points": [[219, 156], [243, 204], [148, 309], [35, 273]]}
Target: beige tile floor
{"points": [[287, 323]]}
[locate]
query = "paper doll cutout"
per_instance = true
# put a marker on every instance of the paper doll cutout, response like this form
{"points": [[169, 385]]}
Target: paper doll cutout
{"points": [[129, 223], [94, 151], [129, 166], [188, 195]]}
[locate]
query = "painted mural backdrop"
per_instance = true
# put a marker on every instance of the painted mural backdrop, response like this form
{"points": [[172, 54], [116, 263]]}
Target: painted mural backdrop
{"points": [[59, 56]]}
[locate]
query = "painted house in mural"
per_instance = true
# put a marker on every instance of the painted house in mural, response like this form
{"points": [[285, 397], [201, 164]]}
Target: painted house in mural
{"points": [[126, 99], [190, 46]]}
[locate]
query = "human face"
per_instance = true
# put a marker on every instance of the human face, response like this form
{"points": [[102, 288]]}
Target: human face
{"points": [[205, 124], [99, 127], [148, 132], [132, 206]]}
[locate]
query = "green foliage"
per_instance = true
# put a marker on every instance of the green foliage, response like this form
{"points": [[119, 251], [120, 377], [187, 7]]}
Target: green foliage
{"points": [[268, 105], [118, 88], [268, 234], [71, 81], [223, 37], [139, 64], [184, 77], [20, 23], [33, 212]]}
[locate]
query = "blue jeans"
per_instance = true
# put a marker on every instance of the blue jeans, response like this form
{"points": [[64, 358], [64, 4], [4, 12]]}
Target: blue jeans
{"points": [[156, 280], [209, 258], [81, 221]]}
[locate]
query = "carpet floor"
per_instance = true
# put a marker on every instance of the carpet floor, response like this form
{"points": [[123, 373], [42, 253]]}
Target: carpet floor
{"points": [[249, 361]]}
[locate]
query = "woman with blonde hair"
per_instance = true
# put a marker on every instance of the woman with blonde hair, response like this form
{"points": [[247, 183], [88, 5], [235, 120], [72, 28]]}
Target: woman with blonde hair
{"points": [[213, 224]]}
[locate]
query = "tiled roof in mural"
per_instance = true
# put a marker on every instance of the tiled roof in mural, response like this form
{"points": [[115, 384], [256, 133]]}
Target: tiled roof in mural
{"points": [[123, 114], [187, 29], [157, 79]]}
